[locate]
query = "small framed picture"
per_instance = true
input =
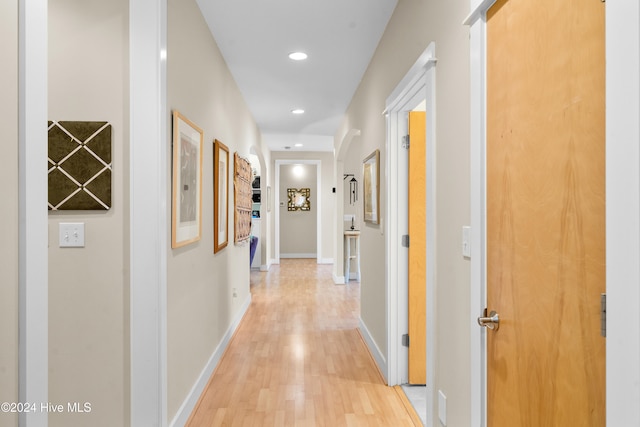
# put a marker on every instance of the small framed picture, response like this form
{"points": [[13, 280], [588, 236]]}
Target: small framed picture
{"points": [[220, 196]]}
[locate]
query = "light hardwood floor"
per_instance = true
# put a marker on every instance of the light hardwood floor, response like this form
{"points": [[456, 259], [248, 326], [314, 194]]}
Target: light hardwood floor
{"points": [[297, 359]]}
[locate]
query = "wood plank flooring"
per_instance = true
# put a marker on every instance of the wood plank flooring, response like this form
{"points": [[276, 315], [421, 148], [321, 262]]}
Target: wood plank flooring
{"points": [[297, 359]]}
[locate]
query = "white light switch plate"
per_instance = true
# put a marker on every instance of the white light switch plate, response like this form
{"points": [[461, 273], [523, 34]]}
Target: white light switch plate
{"points": [[442, 408], [72, 234], [466, 241]]}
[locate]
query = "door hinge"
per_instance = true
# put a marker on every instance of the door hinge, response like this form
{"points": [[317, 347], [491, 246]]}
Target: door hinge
{"points": [[603, 315], [405, 240], [405, 340], [406, 142]]}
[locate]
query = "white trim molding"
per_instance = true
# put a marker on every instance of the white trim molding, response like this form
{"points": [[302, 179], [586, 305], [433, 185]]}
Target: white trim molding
{"points": [[374, 350], [477, 46], [623, 212], [478, 11], [33, 280], [149, 221], [189, 404], [271, 262], [299, 256]]}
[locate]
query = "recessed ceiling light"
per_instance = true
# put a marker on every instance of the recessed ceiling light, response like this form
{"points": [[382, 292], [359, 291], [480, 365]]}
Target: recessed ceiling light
{"points": [[299, 145], [297, 111], [298, 56]]}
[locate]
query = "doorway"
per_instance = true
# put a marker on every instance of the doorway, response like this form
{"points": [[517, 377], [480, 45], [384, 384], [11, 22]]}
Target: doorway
{"points": [[280, 203], [415, 88], [262, 258]]}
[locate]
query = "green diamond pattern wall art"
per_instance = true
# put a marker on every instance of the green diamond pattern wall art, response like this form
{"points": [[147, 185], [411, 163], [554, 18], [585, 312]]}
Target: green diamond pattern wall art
{"points": [[79, 165]]}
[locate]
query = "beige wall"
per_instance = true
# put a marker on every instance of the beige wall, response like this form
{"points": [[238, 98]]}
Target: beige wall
{"points": [[88, 350], [201, 305], [353, 165], [414, 24], [327, 182], [9, 209], [88, 79], [298, 228]]}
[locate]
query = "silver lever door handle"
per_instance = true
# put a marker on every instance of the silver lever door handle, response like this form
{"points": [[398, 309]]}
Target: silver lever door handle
{"points": [[492, 321]]}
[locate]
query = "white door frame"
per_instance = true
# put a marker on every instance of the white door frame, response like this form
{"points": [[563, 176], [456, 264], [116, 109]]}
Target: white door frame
{"points": [[477, 46], [318, 204], [149, 218], [417, 86], [33, 258], [623, 210]]}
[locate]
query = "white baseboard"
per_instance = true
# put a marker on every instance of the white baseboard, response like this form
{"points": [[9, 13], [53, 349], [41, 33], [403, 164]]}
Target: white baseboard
{"points": [[267, 266], [274, 261], [338, 280], [298, 255], [191, 400], [379, 358], [326, 261]]}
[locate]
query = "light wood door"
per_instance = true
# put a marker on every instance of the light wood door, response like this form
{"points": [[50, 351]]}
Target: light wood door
{"points": [[546, 212], [417, 249]]}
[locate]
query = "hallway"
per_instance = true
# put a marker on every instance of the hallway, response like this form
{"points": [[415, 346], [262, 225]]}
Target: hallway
{"points": [[298, 359]]}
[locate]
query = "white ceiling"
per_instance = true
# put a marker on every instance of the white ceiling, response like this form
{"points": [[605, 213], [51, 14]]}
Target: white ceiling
{"points": [[255, 38]]}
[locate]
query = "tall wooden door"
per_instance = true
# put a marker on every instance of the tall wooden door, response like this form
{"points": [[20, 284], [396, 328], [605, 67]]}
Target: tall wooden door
{"points": [[546, 212], [417, 248]]}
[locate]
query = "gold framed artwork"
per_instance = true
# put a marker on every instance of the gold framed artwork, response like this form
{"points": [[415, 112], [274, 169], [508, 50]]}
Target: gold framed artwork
{"points": [[220, 196], [186, 206], [371, 184], [299, 199], [243, 198]]}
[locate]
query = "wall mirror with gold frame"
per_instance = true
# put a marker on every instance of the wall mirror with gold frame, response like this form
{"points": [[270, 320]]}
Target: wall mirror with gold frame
{"points": [[299, 199]]}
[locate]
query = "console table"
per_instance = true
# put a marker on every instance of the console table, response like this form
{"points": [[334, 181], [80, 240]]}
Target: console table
{"points": [[350, 256]]}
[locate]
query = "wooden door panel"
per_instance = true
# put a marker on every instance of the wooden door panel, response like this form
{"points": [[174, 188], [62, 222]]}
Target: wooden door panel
{"points": [[417, 248], [545, 212]]}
